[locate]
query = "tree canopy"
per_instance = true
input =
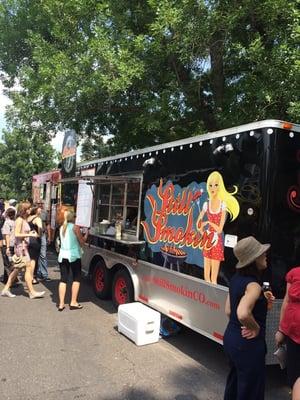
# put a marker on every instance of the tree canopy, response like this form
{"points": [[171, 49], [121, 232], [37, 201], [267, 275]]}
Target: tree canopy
{"points": [[94, 147], [21, 157], [149, 71]]}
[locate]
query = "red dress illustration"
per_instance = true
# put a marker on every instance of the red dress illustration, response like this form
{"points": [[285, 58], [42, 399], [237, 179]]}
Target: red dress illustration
{"points": [[216, 252]]}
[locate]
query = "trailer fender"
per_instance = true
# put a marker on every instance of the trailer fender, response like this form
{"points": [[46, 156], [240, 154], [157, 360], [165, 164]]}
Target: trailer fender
{"points": [[132, 274]]}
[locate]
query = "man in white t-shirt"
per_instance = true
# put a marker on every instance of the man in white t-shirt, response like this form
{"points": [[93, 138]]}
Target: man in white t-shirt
{"points": [[8, 232]]}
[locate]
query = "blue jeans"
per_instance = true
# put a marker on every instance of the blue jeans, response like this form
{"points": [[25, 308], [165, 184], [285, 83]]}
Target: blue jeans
{"points": [[42, 271]]}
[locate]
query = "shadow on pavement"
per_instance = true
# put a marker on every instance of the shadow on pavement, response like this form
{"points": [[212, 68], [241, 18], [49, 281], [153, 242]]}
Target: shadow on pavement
{"points": [[86, 293], [201, 349], [137, 394]]}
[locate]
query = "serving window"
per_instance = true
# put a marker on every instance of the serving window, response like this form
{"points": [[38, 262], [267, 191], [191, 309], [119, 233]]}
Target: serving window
{"points": [[119, 201]]}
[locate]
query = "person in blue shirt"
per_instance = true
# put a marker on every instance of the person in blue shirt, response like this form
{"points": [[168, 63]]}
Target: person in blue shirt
{"points": [[69, 258], [244, 338]]}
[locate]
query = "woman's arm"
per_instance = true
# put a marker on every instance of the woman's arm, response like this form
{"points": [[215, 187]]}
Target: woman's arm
{"points": [[200, 224], [250, 328], [81, 238], [227, 306], [7, 243], [219, 228], [6, 236], [284, 303], [39, 223], [18, 230], [279, 336], [48, 228]]}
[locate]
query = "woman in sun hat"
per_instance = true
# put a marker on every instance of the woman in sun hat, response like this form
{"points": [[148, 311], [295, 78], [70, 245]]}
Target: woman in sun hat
{"points": [[244, 338], [12, 203]]}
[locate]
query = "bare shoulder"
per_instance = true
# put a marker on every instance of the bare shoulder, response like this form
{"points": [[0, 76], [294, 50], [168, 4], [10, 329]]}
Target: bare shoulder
{"points": [[253, 289]]}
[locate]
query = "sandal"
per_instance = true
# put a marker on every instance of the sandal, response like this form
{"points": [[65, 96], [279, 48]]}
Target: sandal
{"points": [[77, 307], [61, 308]]}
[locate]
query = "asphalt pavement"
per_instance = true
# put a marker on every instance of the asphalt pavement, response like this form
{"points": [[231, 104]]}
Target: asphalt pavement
{"points": [[79, 354]]}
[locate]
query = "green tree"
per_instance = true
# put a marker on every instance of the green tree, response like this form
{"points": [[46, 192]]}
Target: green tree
{"points": [[94, 147], [21, 157], [148, 71]]}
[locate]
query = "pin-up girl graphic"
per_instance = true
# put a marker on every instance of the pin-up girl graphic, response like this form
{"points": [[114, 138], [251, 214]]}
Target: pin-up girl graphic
{"points": [[212, 219]]}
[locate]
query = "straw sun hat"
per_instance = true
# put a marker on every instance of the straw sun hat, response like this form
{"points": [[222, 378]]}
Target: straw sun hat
{"points": [[247, 250]]}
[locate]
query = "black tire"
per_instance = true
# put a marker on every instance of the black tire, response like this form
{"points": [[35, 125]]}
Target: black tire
{"points": [[101, 280], [122, 288]]}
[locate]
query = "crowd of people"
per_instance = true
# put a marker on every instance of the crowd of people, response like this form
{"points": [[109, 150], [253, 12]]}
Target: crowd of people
{"points": [[24, 236], [23, 243], [23, 246]]}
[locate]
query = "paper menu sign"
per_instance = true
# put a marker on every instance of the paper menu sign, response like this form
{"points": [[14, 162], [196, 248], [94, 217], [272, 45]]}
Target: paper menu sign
{"points": [[84, 202], [48, 196], [230, 240], [53, 216]]}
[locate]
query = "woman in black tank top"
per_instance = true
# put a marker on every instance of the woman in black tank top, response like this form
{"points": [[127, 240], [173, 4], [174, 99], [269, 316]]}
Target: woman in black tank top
{"points": [[244, 338], [34, 247]]}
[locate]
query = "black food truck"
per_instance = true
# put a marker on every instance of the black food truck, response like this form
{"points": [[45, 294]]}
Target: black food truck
{"points": [[164, 220]]}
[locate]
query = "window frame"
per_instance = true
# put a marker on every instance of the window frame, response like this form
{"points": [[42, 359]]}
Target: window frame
{"points": [[129, 179]]}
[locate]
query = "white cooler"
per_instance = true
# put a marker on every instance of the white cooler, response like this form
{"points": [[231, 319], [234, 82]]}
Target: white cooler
{"points": [[139, 323]]}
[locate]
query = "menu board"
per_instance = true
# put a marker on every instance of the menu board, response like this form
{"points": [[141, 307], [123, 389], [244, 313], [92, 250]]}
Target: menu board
{"points": [[48, 196], [53, 217], [84, 201]]}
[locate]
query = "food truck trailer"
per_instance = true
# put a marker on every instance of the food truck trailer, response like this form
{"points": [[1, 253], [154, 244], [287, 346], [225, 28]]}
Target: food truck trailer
{"points": [[164, 220], [56, 199], [46, 191]]}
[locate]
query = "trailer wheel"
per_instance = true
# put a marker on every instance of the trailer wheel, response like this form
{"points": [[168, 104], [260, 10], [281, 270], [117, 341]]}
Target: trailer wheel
{"points": [[122, 288], [101, 280]]}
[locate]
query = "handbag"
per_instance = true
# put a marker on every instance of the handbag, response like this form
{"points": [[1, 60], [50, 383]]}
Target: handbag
{"points": [[18, 262], [280, 354], [35, 243]]}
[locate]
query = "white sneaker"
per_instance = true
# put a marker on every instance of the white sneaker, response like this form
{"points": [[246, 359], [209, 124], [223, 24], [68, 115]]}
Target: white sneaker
{"points": [[36, 295], [7, 293]]}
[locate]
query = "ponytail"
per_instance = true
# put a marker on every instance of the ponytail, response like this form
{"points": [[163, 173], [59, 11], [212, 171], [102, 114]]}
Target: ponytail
{"points": [[64, 225], [68, 217]]}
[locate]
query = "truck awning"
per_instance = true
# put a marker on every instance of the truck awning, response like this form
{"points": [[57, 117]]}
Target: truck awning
{"points": [[102, 179]]}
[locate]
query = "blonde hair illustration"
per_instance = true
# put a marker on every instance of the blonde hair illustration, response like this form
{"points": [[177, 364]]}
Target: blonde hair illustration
{"points": [[68, 217], [232, 205]]}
